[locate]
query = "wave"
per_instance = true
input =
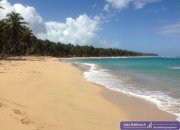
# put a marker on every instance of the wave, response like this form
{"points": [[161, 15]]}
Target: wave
{"points": [[175, 68], [104, 77], [169, 56]]}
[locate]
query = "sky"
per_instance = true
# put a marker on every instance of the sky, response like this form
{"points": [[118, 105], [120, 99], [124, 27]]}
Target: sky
{"points": [[136, 25]]}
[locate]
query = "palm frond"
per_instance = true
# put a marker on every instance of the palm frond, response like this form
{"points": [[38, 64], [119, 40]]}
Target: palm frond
{"points": [[1, 6]]}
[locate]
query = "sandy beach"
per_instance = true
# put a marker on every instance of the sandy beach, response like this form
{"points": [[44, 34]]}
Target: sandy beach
{"points": [[41, 93]]}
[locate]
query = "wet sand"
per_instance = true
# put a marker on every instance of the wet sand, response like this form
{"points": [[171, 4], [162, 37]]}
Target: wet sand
{"points": [[138, 109]]}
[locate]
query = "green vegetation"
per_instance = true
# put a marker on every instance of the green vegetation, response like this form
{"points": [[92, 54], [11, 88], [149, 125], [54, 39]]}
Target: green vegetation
{"points": [[1, 6], [16, 39]]}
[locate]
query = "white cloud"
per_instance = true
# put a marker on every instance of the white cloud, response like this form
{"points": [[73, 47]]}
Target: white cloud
{"points": [[121, 4], [30, 15], [170, 30], [81, 30], [116, 4], [139, 4]]}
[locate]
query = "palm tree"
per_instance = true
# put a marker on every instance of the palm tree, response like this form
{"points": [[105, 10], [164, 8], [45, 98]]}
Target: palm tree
{"points": [[25, 43], [2, 24], [1, 6], [14, 25], [2, 34]]}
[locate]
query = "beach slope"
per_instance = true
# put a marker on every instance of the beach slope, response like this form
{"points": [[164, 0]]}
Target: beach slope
{"points": [[40, 93]]}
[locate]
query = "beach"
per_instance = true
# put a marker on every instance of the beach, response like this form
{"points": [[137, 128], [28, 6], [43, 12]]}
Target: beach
{"points": [[43, 93]]}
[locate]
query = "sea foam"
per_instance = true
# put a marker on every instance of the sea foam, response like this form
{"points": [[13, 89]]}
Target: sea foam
{"points": [[175, 68], [104, 77]]}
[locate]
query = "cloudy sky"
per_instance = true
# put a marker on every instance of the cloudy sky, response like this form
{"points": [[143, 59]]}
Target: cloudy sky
{"points": [[138, 25]]}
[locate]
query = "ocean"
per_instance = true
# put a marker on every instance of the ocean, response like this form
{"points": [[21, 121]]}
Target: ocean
{"points": [[156, 79]]}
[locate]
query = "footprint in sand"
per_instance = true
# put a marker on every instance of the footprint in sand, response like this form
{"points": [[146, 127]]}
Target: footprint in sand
{"points": [[1, 105], [40, 128], [26, 121], [16, 111]]}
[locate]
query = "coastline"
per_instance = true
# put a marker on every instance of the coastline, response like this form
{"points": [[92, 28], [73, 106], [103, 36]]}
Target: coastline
{"points": [[40, 93], [144, 109], [107, 57], [138, 109]]}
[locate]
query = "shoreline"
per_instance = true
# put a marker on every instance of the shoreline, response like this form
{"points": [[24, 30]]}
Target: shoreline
{"points": [[140, 109], [41, 93], [137, 113], [66, 58]]}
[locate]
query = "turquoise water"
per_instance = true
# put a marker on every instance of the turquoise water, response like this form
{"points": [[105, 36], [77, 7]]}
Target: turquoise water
{"points": [[156, 79]]}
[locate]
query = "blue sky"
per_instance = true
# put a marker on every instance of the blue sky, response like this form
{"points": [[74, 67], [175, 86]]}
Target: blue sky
{"points": [[138, 25]]}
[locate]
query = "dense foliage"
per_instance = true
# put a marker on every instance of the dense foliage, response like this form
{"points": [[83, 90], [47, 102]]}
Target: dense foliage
{"points": [[16, 39]]}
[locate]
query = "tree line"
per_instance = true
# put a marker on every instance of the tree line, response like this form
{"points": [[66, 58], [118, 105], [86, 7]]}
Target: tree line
{"points": [[16, 39]]}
